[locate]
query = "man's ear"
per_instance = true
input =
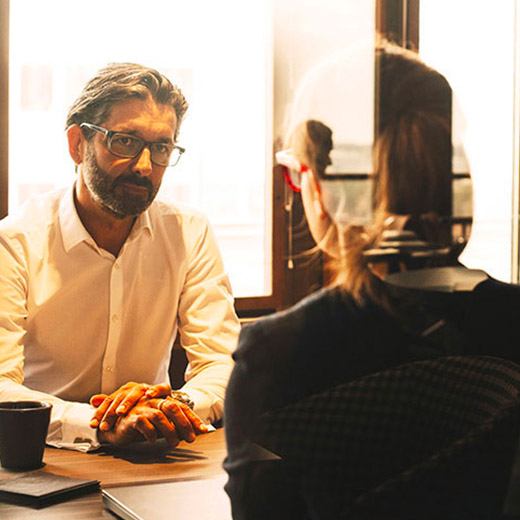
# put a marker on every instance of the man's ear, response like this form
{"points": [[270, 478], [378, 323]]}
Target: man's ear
{"points": [[77, 142]]}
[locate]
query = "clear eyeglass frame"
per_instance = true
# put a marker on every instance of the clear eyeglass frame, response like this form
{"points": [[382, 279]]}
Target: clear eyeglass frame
{"points": [[292, 169], [130, 146]]}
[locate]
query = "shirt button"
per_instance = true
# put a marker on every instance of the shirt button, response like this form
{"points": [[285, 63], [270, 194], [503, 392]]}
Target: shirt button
{"points": [[115, 318], [116, 266], [108, 369]]}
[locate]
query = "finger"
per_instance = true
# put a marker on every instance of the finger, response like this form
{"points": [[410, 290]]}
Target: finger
{"points": [[100, 412], [97, 399], [166, 429], [198, 424], [146, 428], [131, 399], [162, 390], [175, 412], [110, 417]]}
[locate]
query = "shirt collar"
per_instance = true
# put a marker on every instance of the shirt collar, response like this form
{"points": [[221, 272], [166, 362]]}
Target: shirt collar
{"points": [[73, 231], [143, 223]]}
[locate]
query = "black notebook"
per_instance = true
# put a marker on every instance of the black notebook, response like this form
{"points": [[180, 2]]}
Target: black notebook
{"points": [[39, 488]]}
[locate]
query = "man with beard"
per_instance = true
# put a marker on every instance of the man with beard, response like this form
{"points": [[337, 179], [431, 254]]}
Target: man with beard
{"points": [[95, 280]]}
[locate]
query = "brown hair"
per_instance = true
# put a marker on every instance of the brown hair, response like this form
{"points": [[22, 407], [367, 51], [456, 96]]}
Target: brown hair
{"points": [[413, 148], [121, 81], [311, 142]]}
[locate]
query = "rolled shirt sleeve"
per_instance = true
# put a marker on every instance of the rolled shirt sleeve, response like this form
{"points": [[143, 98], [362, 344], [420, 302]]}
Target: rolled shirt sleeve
{"points": [[208, 326], [69, 427]]}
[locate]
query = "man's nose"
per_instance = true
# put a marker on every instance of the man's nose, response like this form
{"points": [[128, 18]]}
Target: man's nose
{"points": [[143, 163]]}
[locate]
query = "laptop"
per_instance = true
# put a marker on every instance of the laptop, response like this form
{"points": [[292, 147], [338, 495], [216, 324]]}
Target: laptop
{"points": [[203, 499]]}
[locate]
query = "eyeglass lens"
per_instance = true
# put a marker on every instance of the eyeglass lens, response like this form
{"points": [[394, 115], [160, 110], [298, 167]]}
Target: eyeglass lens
{"points": [[163, 154]]}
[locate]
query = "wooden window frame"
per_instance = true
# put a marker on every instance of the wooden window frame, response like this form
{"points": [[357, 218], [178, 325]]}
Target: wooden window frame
{"points": [[398, 21], [4, 106], [260, 305]]}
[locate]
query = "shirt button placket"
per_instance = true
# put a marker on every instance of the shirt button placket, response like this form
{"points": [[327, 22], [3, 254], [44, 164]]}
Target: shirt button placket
{"points": [[108, 378]]}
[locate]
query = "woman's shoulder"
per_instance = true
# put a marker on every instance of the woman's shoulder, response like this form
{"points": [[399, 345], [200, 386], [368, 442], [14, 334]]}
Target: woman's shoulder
{"points": [[316, 305], [275, 336]]}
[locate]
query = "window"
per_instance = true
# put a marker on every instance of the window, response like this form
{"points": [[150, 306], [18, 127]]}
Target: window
{"points": [[219, 53], [238, 64], [309, 36], [241, 64], [477, 58]]}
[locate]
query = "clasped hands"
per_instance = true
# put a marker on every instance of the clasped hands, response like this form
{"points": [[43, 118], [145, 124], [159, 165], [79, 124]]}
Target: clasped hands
{"points": [[137, 411]]}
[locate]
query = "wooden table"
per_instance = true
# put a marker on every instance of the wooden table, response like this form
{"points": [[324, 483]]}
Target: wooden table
{"points": [[139, 463]]}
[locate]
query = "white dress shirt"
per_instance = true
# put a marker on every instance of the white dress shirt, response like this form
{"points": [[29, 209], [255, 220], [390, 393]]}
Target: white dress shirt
{"points": [[76, 321]]}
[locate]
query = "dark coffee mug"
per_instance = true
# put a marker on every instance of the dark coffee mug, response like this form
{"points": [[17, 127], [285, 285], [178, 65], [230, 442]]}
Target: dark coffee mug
{"points": [[23, 430]]}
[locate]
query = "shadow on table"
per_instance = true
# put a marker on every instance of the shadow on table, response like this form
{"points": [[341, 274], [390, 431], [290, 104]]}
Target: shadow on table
{"points": [[148, 453]]}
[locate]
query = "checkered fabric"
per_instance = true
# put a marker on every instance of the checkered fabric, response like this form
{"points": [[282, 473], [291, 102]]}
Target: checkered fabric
{"points": [[356, 445]]}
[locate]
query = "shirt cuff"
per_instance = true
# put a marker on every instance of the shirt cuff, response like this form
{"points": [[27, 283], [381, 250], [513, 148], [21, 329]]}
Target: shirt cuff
{"points": [[70, 428], [202, 403]]}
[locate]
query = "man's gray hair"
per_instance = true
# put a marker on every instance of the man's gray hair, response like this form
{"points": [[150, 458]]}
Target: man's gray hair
{"points": [[119, 82]]}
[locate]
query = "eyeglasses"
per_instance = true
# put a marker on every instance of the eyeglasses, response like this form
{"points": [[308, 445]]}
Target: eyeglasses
{"points": [[130, 146], [291, 168]]}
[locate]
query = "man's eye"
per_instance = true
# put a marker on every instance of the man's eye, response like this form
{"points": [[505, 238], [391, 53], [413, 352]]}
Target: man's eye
{"points": [[162, 148], [125, 140]]}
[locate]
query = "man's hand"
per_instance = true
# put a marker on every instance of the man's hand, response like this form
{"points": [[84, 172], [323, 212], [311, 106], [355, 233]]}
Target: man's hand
{"points": [[142, 422], [186, 422], [150, 419], [111, 407]]}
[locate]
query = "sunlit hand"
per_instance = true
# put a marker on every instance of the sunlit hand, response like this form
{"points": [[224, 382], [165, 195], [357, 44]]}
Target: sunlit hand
{"points": [[118, 403], [186, 422], [143, 422]]}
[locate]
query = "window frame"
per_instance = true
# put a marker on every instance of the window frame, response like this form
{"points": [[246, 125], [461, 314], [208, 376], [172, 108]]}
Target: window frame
{"points": [[515, 249], [4, 107]]}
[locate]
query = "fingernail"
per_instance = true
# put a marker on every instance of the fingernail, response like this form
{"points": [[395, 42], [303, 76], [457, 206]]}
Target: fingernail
{"points": [[204, 428], [121, 409], [94, 423], [103, 427]]}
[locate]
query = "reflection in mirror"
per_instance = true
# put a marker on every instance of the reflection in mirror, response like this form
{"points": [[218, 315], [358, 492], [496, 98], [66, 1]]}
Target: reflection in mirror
{"points": [[403, 217]]}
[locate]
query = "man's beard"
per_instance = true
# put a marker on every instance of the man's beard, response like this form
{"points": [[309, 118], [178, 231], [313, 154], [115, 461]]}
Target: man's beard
{"points": [[120, 203]]}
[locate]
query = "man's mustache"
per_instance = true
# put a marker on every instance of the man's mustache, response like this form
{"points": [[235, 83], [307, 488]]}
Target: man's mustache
{"points": [[131, 178]]}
